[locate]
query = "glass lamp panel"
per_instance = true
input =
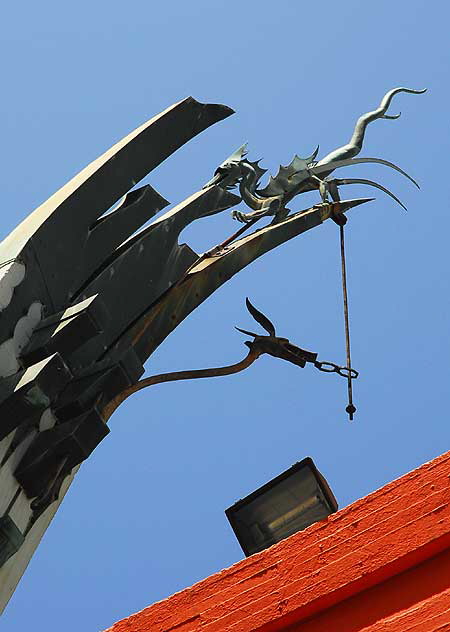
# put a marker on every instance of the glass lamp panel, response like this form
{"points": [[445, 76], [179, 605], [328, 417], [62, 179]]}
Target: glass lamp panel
{"points": [[291, 502]]}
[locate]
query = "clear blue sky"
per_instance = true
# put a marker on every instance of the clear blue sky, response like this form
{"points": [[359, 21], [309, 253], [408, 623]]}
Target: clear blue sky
{"points": [[145, 516]]}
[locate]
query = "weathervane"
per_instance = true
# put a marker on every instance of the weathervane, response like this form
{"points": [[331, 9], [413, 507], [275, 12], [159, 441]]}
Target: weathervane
{"points": [[303, 175], [80, 313]]}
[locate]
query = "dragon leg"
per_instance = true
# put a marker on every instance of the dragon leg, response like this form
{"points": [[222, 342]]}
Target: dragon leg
{"points": [[280, 215], [248, 217], [272, 207], [323, 186]]}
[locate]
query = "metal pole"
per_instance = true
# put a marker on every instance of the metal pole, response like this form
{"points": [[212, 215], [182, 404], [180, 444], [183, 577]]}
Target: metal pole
{"points": [[350, 408]]}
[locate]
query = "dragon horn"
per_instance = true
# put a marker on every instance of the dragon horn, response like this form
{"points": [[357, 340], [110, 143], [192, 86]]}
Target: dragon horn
{"points": [[372, 184], [356, 161], [260, 318], [354, 146]]}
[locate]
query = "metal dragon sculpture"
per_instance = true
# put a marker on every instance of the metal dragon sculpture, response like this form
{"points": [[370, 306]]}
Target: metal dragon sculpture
{"points": [[303, 174], [88, 292]]}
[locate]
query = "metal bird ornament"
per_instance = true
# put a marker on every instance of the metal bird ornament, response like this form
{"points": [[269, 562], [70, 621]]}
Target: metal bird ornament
{"points": [[304, 174], [284, 349], [272, 344]]}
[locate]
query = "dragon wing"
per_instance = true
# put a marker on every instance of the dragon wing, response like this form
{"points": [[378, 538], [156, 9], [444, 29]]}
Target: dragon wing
{"points": [[291, 175], [260, 318]]}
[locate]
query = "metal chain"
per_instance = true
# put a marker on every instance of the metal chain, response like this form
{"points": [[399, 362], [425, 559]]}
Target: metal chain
{"points": [[343, 371]]}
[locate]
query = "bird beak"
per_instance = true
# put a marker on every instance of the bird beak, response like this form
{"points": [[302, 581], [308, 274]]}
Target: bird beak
{"points": [[282, 348], [297, 355]]}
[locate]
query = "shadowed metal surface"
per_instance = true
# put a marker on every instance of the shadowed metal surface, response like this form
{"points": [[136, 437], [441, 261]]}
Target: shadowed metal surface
{"points": [[212, 272], [72, 280], [65, 219]]}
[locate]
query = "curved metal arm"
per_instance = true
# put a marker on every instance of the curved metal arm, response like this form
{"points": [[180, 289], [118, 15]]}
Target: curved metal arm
{"points": [[252, 355]]}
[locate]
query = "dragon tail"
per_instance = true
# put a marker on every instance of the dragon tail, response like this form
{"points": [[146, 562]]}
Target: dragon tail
{"points": [[356, 142]]}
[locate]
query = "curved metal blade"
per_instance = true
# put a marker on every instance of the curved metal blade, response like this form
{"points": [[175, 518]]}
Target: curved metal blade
{"points": [[260, 318], [372, 184], [313, 156], [247, 333], [355, 161], [259, 171]]}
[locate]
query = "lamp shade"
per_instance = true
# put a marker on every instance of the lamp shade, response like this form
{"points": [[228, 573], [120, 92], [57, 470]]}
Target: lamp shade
{"points": [[292, 501]]}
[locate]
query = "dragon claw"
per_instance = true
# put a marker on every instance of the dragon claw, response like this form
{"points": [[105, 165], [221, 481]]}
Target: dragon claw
{"points": [[240, 217], [245, 218]]}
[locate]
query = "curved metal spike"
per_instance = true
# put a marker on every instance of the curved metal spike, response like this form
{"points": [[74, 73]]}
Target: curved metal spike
{"points": [[284, 171], [313, 156], [256, 162], [259, 171], [372, 184], [247, 333], [392, 117], [356, 161], [260, 318], [298, 164]]}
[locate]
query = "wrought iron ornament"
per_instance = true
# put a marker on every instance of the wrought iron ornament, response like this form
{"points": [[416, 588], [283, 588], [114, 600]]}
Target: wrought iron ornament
{"points": [[85, 299]]}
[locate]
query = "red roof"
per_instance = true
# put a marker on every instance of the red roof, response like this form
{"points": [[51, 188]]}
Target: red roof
{"points": [[382, 563]]}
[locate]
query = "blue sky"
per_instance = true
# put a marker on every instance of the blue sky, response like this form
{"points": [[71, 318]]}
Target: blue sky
{"points": [[144, 517]]}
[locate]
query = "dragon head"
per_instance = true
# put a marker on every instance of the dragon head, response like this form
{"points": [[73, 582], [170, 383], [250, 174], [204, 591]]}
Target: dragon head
{"points": [[229, 172], [234, 168]]}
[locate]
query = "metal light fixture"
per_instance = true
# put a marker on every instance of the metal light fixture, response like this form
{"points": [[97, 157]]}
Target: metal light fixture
{"points": [[292, 501]]}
